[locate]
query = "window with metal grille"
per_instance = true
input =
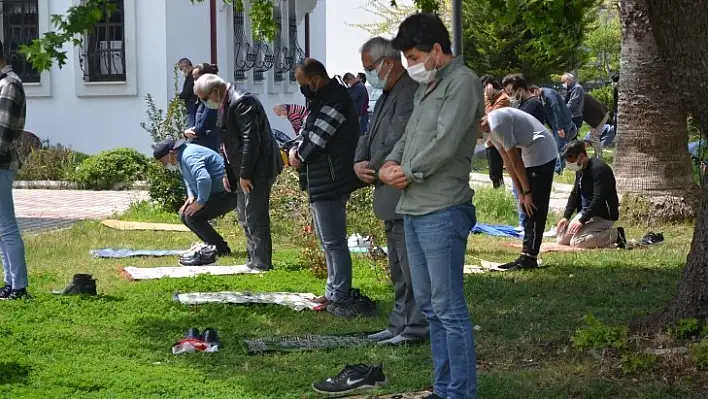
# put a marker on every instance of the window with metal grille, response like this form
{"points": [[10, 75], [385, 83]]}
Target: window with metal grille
{"points": [[103, 55], [20, 25], [243, 57], [296, 54]]}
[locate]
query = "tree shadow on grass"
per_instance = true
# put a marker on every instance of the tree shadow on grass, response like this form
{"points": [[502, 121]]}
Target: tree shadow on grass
{"points": [[14, 373]]}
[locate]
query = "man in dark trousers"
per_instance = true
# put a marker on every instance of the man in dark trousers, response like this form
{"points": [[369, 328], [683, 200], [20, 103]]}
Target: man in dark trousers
{"points": [[531, 169], [187, 94], [382, 62], [595, 114], [360, 95], [253, 161], [324, 156], [203, 172]]}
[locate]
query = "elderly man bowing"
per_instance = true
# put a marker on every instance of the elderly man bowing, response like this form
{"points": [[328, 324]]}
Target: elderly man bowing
{"points": [[382, 63], [252, 157]]}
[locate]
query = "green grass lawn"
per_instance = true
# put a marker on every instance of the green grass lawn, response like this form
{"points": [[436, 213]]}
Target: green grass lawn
{"points": [[117, 345]]}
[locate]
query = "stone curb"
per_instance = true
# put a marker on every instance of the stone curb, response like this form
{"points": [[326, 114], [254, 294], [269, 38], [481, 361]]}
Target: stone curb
{"points": [[67, 185]]}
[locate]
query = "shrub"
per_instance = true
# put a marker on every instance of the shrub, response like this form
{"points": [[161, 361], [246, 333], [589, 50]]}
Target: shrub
{"points": [[597, 335], [685, 329], [108, 168], [698, 353], [604, 95], [51, 162], [166, 188]]}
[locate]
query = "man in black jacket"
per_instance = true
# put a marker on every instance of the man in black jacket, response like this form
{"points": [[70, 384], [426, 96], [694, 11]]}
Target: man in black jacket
{"points": [[594, 198], [518, 90], [187, 94], [253, 161], [324, 156]]}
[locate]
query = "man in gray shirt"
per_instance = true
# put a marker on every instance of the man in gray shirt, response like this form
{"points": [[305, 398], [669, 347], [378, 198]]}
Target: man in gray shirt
{"points": [[531, 172], [431, 163], [382, 63]]}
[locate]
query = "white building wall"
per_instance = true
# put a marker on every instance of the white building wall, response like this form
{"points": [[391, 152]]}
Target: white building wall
{"points": [[104, 120], [92, 117]]}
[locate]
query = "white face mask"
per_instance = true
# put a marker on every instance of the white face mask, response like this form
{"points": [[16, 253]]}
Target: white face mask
{"points": [[574, 167], [172, 168], [421, 75], [211, 104]]}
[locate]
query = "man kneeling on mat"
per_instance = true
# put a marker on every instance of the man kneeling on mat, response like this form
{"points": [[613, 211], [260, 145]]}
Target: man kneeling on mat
{"points": [[595, 198], [203, 172]]}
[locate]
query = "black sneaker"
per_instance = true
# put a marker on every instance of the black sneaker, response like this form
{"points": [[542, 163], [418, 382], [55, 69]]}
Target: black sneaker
{"points": [[352, 378], [433, 396], [5, 291], [210, 336], [81, 284], [621, 238], [15, 294], [355, 305], [523, 262], [652, 238], [204, 256]]}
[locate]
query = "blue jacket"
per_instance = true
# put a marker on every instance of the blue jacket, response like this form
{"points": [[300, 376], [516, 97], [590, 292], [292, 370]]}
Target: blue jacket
{"points": [[203, 171], [558, 115], [205, 126]]}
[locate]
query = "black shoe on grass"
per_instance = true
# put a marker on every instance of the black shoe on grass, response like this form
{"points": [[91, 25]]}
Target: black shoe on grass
{"points": [[352, 378]]}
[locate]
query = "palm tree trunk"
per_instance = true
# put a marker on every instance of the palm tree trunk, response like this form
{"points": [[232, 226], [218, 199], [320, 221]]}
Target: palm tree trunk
{"points": [[681, 32], [652, 158]]}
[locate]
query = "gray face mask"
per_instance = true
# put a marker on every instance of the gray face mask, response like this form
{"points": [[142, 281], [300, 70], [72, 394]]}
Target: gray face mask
{"points": [[172, 168]]}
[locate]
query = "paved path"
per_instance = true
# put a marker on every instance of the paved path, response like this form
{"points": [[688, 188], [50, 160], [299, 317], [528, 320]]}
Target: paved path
{"points": [[41, 210], [559, 196]]}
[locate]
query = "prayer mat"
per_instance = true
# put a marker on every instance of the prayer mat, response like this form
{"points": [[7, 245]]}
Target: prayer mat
{"points": [[547, 247], [126, 225], [407, 395], [256, 346], [153, 273], [292, 300], [497, 230], [130, 253]]}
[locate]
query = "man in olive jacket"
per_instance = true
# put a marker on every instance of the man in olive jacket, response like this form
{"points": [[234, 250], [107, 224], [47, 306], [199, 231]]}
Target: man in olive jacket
{"points": [[382, 63]]}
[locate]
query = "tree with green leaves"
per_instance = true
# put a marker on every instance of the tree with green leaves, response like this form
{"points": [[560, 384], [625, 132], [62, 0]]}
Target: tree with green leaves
{"points": [[538, 38], [603, 46], [390, 16]]}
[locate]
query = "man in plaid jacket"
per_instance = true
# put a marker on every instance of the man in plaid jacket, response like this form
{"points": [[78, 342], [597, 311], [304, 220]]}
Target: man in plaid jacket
{"points": [[12, 124]]}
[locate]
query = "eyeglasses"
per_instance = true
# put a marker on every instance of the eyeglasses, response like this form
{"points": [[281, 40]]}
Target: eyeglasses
{"points": [[372, 67]]}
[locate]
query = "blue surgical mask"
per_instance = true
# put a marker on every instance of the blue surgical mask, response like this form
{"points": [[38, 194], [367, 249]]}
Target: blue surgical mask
{"points": [[373, 78]]}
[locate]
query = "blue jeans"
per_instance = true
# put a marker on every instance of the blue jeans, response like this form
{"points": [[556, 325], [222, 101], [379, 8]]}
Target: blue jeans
{"points": [[519, 210], [560, 144], [330, 220], [11, 245], [437, 276]]}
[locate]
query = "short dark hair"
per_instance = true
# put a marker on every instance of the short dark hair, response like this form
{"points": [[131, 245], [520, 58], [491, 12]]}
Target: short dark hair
{"points": [[517, 81], [573, 149], [311, 68], [421, 31], [489, 79], [361, 77], [184, 61], [206, 67], [348, 76], [615, 77]]}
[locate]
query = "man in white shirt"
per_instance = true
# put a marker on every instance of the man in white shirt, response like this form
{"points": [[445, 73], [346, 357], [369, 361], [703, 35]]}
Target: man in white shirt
{"points": [[531, 170]]}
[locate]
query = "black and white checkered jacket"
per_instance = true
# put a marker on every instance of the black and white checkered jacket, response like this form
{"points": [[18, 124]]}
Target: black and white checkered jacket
{"points": [[12, 117]]}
